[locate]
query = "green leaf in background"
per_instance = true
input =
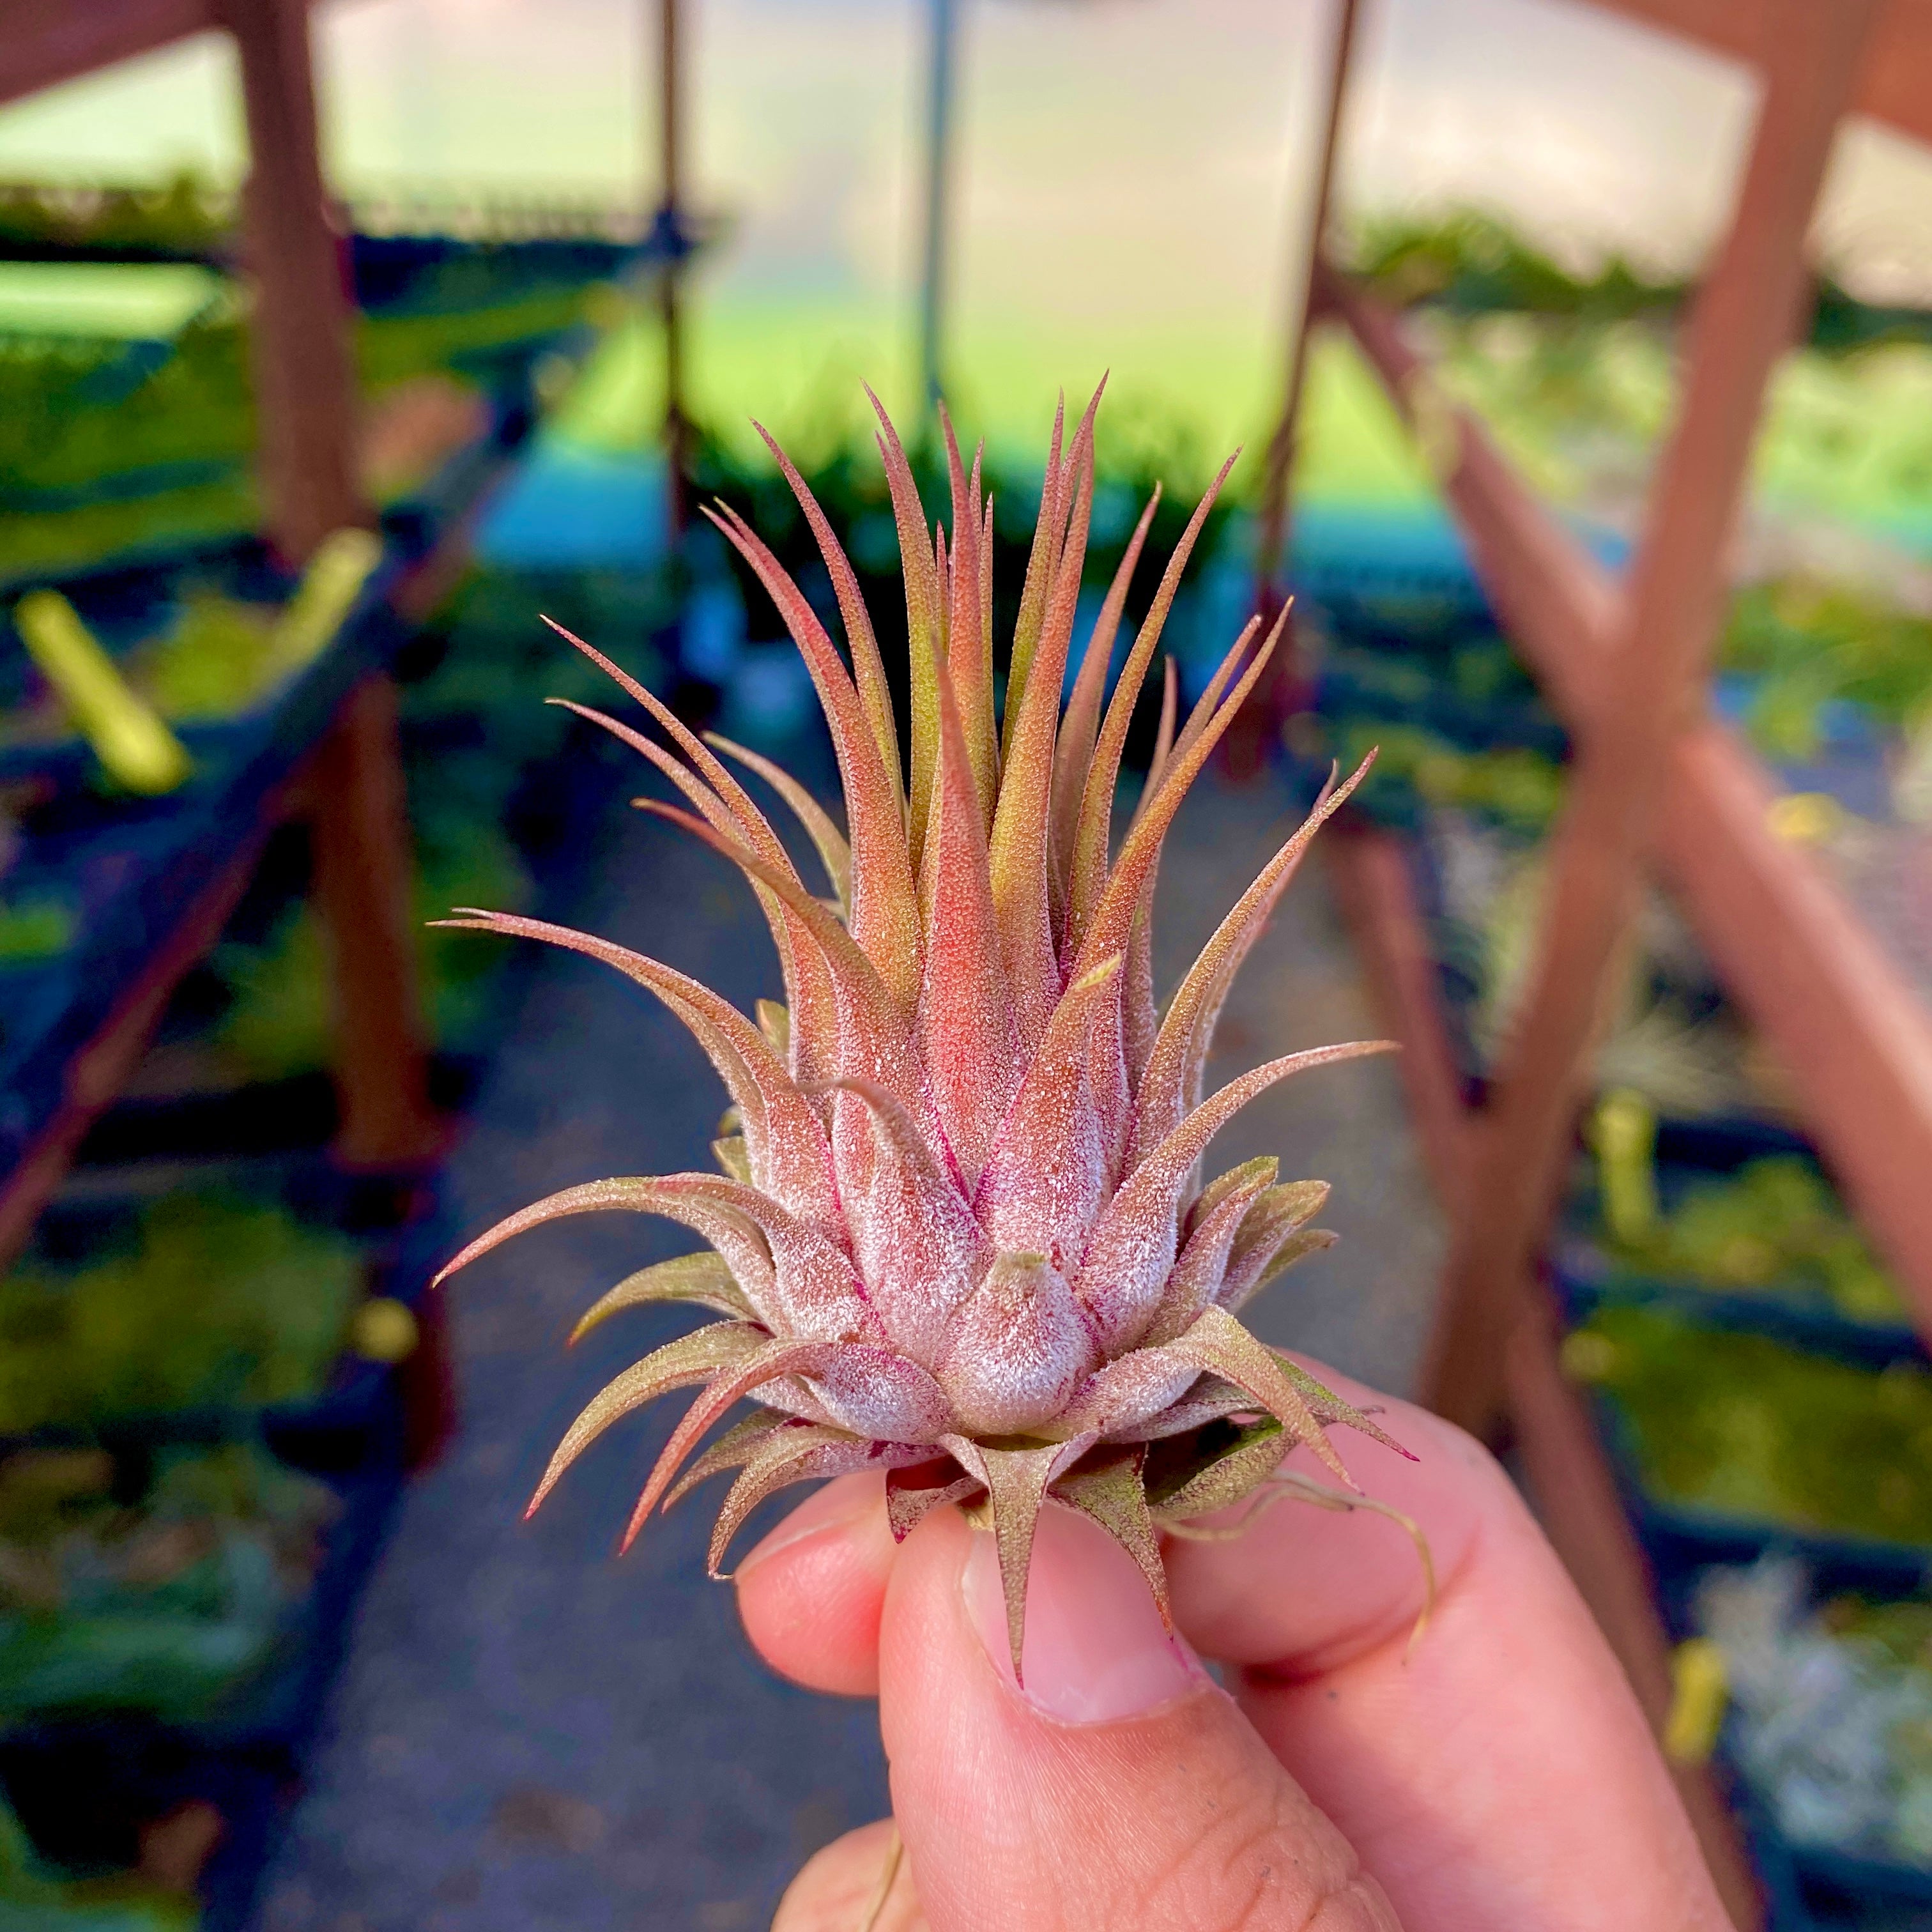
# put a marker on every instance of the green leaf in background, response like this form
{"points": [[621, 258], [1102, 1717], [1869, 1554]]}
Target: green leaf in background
{"points": [[1739, 1423], [217, 1300]]}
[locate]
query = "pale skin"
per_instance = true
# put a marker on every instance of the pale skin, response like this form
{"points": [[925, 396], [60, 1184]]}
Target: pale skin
{"points": [[1501, 1778]]}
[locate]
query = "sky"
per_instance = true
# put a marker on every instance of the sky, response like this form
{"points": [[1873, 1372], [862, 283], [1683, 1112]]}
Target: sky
{"points": [[1132, 174]]}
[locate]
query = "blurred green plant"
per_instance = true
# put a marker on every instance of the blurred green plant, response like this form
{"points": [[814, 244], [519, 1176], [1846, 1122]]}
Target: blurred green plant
{"points": [[1740, 1424], [1807, 641], [1774, 1226], [170, 1602], [1511, 785], [214, 1300]]}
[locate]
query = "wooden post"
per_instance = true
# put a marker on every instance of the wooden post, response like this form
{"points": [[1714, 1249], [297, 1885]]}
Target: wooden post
{"points": [[1741, 326], [1246, 747], [305, 395], [677, 424]]}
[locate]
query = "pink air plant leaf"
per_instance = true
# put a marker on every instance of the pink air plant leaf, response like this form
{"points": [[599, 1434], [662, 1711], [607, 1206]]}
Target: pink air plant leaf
{"points": [[796, 1452], [696, 1357], [702, 1279], [1015, 1480], [958, 1236], [909, 1502]]}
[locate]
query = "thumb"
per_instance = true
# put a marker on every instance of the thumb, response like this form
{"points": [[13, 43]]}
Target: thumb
{"points": [[1120, 1787]]}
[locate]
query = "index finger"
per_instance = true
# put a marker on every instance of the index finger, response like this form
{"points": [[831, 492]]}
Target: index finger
{"points": [[1502, 1772]]}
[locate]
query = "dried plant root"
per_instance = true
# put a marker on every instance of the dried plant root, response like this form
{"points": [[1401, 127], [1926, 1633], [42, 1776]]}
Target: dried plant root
{"points": [[1302, 1489]]}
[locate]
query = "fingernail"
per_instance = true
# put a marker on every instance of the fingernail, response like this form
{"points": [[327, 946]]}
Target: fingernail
{"points": [[1095, 1646], [835, 1507]]}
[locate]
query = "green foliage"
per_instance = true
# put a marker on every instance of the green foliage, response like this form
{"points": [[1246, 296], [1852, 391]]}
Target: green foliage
{"points": [[217, 1300], [170, 1603], [279, 1020], [1511, 785], [183, 216], [211, 662], [79, 419], [1775, 1225], [1809, 640], [1473, 261], [33, 930], [1741, 1424]]}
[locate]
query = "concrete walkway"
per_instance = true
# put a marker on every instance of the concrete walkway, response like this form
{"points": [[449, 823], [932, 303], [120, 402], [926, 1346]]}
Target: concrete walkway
{"points": [[531, 1736]]}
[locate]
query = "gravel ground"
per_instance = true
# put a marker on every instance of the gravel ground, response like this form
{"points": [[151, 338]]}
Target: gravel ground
{"points": [[530, 1734]]}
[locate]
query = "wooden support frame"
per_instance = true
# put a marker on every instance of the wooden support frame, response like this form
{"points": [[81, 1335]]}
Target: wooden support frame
{"points": [[1741, 327], [1555, 1445], [1782, 937], [1840, 1014]]}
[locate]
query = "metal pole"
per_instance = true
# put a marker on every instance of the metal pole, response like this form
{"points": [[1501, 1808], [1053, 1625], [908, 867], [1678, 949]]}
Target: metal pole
{"points": [[677, 425], [1245, 749], [1270, 548], [938, 170]]}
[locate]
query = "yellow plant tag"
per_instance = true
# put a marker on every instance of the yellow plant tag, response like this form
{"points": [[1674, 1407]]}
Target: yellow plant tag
{"points": [[136, 749], [327, 593], [383, 1330], [1806, 817], [1699, 1691], [1626, 1138]]}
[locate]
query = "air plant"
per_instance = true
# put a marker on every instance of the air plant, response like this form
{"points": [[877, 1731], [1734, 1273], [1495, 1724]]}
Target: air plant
{"points": [[958, 1235]]}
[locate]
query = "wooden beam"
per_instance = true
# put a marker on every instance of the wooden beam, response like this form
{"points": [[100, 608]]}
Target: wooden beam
{"points": [[43, 42], [1577, 1503], [1894, 82], [306, 397], [299, 329], [1742, 326], [1555, 1444], [1791, 949], [1558, 605]]}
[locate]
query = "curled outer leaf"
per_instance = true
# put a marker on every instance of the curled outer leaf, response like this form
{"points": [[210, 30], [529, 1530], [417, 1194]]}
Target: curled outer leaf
{"points": [[704, 1278], [732, 1451], [1293, 1247], [1218, 1343], [909, 1502], [695, 1357], [1320, 1397], [1250, 1177], [1107, 1488], [1216, 1468], [773, 1358], [796, 1452]]}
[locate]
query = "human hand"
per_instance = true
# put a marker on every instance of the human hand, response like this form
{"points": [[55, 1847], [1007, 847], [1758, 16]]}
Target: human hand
{"points": [[1500, 1779]]}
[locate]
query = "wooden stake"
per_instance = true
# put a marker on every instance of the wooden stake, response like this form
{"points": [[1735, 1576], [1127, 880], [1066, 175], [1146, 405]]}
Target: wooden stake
{"points": [[1740, 327]]}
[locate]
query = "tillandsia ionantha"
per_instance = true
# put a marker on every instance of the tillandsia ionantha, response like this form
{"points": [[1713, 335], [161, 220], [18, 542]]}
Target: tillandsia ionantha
{"points": [[958, 1234]]}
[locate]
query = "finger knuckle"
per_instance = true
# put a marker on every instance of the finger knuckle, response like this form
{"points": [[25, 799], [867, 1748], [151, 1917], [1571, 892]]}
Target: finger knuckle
{"points": [[1253, 1868]]}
